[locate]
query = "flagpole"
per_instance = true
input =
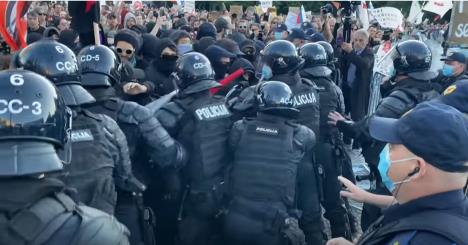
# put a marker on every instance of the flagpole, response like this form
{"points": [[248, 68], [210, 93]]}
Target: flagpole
{"points": [[97, 39]]}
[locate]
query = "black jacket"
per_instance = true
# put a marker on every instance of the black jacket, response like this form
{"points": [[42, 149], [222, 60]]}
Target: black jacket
{"points": [[357, 97]]}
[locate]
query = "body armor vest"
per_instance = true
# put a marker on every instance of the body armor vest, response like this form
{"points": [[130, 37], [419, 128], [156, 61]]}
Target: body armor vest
{"points": [[91, 169], [265, 164], [204, 132]]}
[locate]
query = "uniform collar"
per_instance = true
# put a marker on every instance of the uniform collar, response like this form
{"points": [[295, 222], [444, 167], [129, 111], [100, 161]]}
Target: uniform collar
{"points": [[451, 201]]}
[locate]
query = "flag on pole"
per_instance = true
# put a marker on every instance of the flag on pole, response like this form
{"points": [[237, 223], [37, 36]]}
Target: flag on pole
{"points": [[301, 16], [13, 23], [415, 14]]}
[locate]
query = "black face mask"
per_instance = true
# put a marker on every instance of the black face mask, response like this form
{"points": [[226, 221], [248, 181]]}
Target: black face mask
{"points": [[167, 64], [220, 69]]}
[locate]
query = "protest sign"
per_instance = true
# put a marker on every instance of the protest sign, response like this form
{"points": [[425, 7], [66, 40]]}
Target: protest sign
{"points": [[388, 17], [265, 4], [189, 6], [236, 9]]}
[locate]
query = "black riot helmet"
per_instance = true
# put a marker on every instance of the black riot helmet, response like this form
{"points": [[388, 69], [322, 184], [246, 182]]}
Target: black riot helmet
{"points": [[58, 63], [316, 60], [281, 56], [194, 73], [413, 58], [99, 66], [274, 97], [314, 55], [34, 123], [330, 52]]}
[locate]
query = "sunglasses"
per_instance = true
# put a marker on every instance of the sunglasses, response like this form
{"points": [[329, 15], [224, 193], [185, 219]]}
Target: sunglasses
{"points": [[243, 27], [127, 51], [42, 14]]}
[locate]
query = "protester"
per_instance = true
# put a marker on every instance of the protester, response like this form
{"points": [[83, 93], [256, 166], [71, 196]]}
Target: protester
{"points": [[33, 23], [357, 74]]}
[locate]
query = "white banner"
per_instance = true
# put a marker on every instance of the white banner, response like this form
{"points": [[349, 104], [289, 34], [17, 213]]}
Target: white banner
{"points": [[363, 15], [388, 17], [439, 7]]}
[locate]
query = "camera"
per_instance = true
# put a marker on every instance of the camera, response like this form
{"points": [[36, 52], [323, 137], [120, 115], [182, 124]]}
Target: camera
{"points": [[328, 8]]}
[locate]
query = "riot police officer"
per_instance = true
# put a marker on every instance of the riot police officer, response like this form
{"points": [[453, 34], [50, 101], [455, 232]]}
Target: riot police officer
{"points": [[412, 86], [332, 62], [201, 123], [329, 151], [100, 153], [281, 62], [272, 175], [100, 72], [34, 207]]}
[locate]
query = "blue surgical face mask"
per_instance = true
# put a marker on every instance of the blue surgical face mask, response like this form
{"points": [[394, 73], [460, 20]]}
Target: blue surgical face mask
{"points": [[384, 166], [448, 70], [267, 73], [278, 36], [184, 48]]}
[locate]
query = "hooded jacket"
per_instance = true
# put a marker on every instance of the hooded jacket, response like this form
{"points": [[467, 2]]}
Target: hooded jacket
{"points": [[159, 71]]}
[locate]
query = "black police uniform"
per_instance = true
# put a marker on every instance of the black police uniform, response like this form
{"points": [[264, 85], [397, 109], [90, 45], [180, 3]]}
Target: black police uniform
{"points": [[34, 208], [100, 160], [332, 62], [100, 69], [100, 151], [284, 61], [200, 123], [272, 178], [407, 93], [329, 151]]}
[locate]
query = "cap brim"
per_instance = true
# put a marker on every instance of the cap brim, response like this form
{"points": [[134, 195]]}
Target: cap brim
{"points": [[424, 75], [446, 59], [384, 129]]}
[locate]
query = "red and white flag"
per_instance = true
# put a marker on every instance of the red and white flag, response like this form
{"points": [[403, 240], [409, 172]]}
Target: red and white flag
{"points": [[13, 23]]}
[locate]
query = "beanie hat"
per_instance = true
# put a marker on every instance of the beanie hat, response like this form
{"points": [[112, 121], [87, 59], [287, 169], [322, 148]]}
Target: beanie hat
{"points": [[206, 30], [128, 36]]}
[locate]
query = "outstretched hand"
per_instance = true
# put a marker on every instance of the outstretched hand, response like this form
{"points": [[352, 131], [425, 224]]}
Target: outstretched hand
{"points": [[352, 191]]}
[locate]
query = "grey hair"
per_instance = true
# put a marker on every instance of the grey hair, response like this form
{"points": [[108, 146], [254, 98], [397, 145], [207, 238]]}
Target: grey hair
{"points": [[362, 33]]}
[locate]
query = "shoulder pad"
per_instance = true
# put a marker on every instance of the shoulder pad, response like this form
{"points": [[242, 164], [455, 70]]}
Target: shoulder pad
{"points": [[304, 136], [245, 100], [394, 105], [170, 114], [92, 115], [99, 228]]}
